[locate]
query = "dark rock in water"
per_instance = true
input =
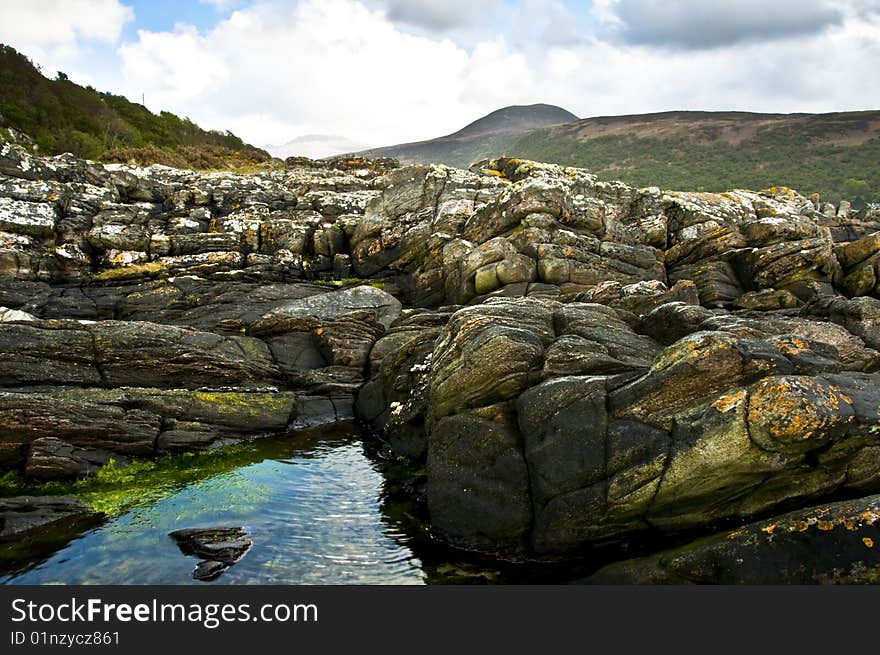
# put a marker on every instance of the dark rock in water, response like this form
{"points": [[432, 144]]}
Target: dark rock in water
{"points": [[837, 543], [477, 486], [219, 547], [208, 570], [28, 516]]}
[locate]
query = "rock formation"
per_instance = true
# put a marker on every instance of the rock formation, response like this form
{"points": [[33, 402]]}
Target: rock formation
{"points": [[577, 363]]}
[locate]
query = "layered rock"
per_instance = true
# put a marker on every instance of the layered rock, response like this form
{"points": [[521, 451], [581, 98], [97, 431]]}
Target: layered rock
{"points": [[153, 310], [577, 431], [580, 363], [829, 544]]}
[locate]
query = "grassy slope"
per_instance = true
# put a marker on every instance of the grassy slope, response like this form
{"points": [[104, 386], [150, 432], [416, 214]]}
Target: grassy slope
{"points": [[835, 155], [61, 116]]}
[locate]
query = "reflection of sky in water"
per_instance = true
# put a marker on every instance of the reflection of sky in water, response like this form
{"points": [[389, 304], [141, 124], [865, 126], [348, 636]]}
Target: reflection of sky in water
{"points": [[313, 520]]}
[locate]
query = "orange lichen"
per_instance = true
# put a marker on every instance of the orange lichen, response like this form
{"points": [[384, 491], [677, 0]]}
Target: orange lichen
{"points": [[799, 408], [868, 542], [792, 346], [769, 529], [726, 403]]}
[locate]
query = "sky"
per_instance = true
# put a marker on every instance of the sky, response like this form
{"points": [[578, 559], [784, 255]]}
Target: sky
{"points": [[381, 72]]}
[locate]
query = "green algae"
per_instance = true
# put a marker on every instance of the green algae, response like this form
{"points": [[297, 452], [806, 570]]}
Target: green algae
{"points": [[115, 489]]}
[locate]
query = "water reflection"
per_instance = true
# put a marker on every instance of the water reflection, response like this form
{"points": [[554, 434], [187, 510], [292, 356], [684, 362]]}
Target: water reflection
{"points": [[312, 507]]}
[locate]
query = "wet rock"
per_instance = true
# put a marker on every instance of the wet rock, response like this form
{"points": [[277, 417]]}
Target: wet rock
{"points": [[834, 543], [28, 516], [860, 265], [137, 422], [851, 350], [477, 487], [643, 297], [26, 417], [392, 402], [692, 369], [219, 547], [487, 354]]}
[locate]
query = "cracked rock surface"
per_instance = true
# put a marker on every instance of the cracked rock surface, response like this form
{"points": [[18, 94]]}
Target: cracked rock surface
{"points": [[575, 363]]}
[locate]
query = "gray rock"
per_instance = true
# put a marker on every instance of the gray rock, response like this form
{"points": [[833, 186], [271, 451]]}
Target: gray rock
{"points": [[834, 543], [37, 516], [477, 486]]}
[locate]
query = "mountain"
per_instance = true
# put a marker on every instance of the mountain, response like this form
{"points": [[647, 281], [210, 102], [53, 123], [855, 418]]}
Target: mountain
{"points": [[59, 116], [315, 146], [486, 136], [836, 155]]}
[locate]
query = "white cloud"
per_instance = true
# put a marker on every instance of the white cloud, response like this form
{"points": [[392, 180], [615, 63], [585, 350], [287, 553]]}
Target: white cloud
{"points": [[54, 33], [275, 71], [179, 66]]}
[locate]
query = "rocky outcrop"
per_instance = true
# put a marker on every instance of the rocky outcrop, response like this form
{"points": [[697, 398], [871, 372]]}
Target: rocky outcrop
{"points": [[830, 544], [562, 416], [575, 363], [148, 311]]}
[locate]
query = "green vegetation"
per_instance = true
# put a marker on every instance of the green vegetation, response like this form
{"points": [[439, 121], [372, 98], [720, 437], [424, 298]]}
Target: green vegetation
{"points": [[114, 489], [834, 155], [60, 116], [770, 158]]}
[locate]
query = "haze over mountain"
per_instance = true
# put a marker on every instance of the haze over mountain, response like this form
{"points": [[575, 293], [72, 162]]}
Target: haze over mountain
{"points": [[836, 154], [315, 146]]}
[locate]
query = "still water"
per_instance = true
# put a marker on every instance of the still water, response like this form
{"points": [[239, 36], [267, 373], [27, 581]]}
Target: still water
{"points": [[313, 511]]}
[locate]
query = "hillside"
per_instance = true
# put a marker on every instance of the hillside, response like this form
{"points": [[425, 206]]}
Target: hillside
{"points": [[485, 137], [836, 155], [60, 116]]}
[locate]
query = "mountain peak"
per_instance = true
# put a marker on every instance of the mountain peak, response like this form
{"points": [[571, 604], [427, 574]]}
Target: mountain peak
{"points": [[517, 118]]}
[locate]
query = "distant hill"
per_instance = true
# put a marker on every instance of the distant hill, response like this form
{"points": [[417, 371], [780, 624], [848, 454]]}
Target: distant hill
{"points": [[315, 146], [60, 116], [484, 137], [836, 155]]}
